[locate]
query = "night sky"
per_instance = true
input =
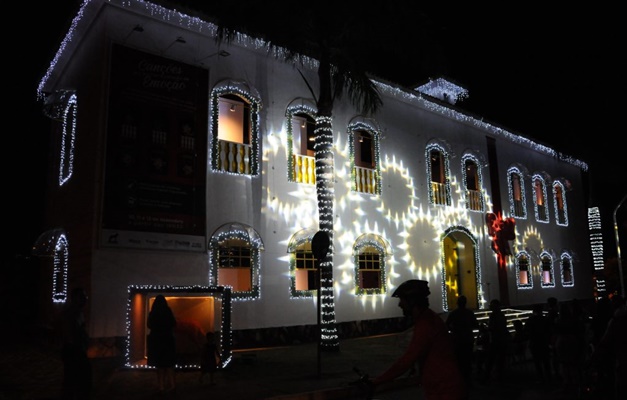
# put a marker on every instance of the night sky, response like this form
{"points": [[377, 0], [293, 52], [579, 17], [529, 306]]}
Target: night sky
{"points": [[551, 75]]}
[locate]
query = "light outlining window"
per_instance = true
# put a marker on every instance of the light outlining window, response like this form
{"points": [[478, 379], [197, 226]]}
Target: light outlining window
{"points": [[301, 166], [559, 201], [473, 182], [547, 275], [365, 149], [370, 253], [53, 245], [516, 191], [540, 205], [235, 260], [304, 279], [438, 172], [566, 270], [60, 267], [68, 137], [524, 277], [239, 154]]}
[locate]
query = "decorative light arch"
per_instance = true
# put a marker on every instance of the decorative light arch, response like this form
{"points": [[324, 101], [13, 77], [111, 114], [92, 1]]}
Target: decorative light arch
{"points": [[249, 95], [236, 230], [384, 249], [54, 244], [361, 123]]}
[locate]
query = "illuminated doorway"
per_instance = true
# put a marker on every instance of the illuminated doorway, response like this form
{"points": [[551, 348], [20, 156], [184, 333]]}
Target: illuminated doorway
{"points": [[197, 310], [460, 272]]}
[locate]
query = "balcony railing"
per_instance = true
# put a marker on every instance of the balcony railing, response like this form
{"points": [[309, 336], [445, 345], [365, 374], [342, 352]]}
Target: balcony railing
{"points": [[366, 180], [304, 169], [234, 157], [474, 200], [438, 192]]}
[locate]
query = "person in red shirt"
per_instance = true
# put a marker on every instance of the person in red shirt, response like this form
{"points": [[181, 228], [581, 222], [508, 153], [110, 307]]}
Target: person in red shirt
{"points": [[431, 347]]}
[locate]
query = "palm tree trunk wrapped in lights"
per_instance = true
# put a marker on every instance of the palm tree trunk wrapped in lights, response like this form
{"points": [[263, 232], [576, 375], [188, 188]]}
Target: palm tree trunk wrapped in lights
{"points": [[326, 37]]}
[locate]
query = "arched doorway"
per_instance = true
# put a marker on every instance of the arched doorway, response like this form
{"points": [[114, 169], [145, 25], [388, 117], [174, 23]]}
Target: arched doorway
{"points": [[460, 270]]}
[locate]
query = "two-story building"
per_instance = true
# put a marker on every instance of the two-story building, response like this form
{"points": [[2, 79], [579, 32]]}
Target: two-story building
{"points": [[187, 167]]}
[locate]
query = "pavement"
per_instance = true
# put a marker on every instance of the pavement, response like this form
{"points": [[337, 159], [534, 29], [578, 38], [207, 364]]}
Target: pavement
{"points": [[30, 369]]}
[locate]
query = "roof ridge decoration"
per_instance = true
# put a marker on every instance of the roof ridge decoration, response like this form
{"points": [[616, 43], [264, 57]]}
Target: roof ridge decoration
{"points": [[190, 22]]}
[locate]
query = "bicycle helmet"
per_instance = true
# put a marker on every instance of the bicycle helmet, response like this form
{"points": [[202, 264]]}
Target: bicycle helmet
{"points": [[413, 288]]}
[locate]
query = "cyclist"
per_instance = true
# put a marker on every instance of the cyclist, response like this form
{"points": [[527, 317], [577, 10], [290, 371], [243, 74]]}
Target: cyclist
{"points": [[431, 347]]}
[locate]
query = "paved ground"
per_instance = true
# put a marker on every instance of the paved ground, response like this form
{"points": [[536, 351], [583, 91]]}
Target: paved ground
{"points": [[32, 371]]}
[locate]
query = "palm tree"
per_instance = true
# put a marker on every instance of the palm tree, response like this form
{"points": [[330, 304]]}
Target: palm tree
{"points": [[328, 38]]}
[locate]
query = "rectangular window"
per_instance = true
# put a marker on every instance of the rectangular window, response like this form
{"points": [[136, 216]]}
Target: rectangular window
{"points": [[235, 267], [232, 122], [369, 266], [305, 273]]}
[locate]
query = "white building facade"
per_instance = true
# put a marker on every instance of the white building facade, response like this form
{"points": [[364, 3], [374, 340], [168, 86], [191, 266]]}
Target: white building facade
{"points": [[184, 167]]}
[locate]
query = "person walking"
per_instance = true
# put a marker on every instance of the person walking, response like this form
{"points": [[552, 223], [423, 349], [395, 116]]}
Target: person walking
{"points": [[161, 343], [462, 323], [77, 369], [431, 347]]}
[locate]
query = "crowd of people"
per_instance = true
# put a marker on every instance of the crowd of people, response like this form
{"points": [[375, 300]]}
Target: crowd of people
{"points": [[578, 350], [582, 352]]}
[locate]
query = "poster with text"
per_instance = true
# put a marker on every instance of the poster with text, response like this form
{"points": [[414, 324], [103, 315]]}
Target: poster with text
{"points": [[156, 153]]}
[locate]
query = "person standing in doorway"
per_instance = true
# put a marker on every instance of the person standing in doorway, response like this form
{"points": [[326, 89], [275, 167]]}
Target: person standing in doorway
{"points": [[431, 347], [77, 371], [161, 343], [462, 323]]}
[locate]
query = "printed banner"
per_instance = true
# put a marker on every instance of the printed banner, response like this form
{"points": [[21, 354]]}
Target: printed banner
{"points": [[156, 153]]}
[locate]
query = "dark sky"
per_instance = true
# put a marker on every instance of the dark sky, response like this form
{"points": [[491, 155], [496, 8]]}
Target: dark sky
{"points": [[553, 75]]}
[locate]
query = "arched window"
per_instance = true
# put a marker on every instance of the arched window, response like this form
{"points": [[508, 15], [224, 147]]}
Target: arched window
{"points": [[473, 183], [53, 245], [364, 152], [235, 259], [567, 270], [546, 269], [516, 189], [438, 172], [300, 143], [540, 198], [370, 252], [303, 265], [559, 199], [523, 271], [235, 129]]}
